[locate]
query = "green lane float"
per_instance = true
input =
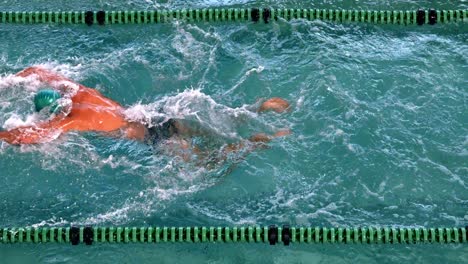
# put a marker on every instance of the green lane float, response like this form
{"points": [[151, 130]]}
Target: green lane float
{"points": [[265, 15], [238, 234]]}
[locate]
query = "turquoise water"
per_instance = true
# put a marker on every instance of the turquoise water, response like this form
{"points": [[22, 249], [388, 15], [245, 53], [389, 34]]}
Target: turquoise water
{"points": [[379, 124]]}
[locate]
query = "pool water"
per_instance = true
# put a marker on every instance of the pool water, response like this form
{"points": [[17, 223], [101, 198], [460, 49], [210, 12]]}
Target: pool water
{"points": [[379, 132]]}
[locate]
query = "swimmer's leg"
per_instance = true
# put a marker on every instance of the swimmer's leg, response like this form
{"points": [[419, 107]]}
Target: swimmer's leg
{"points": [[183, 129], [182, 148], [257, 141], [262, 137], [254, 142], [276, 104], [187, 129]]}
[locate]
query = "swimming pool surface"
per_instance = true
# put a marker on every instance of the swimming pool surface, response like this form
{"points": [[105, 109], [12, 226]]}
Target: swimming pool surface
{"points": [[379, 122]]}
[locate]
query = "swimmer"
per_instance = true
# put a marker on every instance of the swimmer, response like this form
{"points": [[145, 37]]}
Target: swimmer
{"points": [[91, 111]]}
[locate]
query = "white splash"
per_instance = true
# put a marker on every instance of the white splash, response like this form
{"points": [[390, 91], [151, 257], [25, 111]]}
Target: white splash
{"points": [[15, 121], [29, 83], [258, 69], [193, 106]]}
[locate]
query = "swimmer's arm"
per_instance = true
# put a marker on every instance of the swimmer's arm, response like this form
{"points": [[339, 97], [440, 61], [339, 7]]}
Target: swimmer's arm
{"points": [[26, 135], [36, 134]]}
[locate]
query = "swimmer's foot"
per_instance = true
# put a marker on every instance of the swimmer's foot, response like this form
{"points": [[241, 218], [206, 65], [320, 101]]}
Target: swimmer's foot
{"points": [[276, 104]]}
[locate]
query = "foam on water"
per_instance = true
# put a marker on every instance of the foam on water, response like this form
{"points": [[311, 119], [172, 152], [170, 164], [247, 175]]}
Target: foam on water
{"points": [[259, 69], [195, 107]]}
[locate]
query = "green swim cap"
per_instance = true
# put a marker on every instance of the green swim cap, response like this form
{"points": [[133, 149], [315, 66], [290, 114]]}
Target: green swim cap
{"points": [[46, 98]]}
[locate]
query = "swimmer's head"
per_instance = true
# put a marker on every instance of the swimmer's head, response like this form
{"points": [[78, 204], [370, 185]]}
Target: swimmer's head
{"points": [[47, 98]]}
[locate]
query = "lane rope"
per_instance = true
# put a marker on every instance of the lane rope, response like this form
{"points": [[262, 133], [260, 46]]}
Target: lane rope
{"points": [[263, 15], [238, 234]]}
